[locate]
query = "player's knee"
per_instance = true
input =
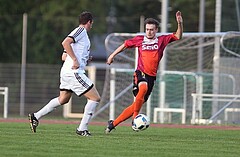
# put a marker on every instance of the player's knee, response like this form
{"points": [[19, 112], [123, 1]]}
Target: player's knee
{"points": [[97, 99], [93, 95], [63, 100]]}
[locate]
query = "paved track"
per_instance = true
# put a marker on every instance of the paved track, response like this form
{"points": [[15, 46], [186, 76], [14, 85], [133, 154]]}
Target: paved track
{"points": [[43, 121]]}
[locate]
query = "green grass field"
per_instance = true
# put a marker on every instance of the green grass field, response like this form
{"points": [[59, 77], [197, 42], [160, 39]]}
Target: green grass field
{"points": [[58, 140]]}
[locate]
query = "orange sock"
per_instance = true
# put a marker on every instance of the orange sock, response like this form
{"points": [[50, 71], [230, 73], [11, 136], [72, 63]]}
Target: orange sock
{"points": [[139, 99], [133, 109], [127, 113]]}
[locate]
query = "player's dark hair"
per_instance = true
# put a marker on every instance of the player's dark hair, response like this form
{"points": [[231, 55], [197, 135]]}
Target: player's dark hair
{"points": [[151, 21], [84, 17]]}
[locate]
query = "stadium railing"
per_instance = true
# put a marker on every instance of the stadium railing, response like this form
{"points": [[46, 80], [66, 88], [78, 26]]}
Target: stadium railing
{"points": [[197, 106]]}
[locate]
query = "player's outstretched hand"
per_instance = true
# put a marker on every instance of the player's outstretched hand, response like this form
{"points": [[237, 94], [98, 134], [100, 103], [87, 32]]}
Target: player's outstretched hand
{"points": [[109, 60], [179, 17]]}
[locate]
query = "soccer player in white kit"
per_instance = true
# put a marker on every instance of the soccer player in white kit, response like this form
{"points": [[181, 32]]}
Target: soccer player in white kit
{"points": [[73, 78]]}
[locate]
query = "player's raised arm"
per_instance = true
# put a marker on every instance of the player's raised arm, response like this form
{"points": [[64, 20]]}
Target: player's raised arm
{"points": [[179, 20], [117, 51]]}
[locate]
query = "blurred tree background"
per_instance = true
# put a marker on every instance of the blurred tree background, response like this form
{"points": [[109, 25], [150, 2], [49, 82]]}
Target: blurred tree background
{"points": [[49, 21]]}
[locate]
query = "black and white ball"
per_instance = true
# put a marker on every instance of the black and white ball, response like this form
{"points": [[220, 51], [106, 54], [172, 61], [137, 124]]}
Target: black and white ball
{"points": [[140, 122]]}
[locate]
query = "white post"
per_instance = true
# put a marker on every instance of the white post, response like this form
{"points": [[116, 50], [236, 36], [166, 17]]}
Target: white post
{"points": [[193, 120], [67, 108], [142, 18], [148, 108], [164, 23], [92, 73], [184, 96], [216, 58], [5, 113], [23, 65], [162, 100], [112, 94], [201, 29], [162, 68], [199, 81]]}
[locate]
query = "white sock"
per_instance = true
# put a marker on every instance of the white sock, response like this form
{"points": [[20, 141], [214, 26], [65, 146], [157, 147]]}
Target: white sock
{"points": [[88, 113], [47, 108]]}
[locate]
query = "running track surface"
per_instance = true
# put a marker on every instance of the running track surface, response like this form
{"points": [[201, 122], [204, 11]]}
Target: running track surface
{"points": [[42, 121]]}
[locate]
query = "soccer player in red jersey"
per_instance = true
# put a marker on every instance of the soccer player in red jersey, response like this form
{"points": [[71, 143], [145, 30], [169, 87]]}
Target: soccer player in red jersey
{"points": [[150, 51]]}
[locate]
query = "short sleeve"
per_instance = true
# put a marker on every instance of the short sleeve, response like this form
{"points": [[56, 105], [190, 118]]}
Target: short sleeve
{"points": [[77, 33], [134, 42]]}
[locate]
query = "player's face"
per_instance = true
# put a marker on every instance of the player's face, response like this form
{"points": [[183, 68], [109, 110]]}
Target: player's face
{"points": [[89, 25], [150, 30]]}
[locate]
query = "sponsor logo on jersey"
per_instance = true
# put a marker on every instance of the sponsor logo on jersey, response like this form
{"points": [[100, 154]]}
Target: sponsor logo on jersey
{"points": [[150, 47]]}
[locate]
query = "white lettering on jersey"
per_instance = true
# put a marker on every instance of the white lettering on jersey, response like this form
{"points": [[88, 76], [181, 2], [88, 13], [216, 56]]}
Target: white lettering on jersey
{"points": [[150, 47]]}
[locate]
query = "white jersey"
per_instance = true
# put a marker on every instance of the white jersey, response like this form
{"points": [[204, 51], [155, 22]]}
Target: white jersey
{"points": [[81, 49]]}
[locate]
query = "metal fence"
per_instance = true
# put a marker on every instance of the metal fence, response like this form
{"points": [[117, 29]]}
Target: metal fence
{"points": [[42, 84]]}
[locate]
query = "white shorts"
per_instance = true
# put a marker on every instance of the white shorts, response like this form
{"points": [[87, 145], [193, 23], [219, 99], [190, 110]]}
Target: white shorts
{"points": [[78, 83]]}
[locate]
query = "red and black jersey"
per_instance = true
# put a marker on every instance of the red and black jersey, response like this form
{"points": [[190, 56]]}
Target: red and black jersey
{"points": [[150, 51]]}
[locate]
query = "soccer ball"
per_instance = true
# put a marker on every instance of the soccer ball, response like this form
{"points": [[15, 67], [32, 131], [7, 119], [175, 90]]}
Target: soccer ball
{"points": [[140, 122]]}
